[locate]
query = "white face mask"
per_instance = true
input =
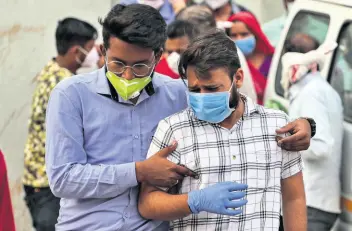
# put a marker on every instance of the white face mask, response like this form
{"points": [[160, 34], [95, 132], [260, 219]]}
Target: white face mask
{"points": [[173, 60], [91, 59]]}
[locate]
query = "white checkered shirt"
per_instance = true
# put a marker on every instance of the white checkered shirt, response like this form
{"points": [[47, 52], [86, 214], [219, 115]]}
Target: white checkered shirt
{"points": [[247, 153]]}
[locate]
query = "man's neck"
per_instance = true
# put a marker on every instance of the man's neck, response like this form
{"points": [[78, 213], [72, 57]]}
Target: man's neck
{"points": [[236, 115], [62, 62]]}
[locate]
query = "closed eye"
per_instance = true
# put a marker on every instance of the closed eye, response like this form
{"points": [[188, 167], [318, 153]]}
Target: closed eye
{"points": [[211, 89]]}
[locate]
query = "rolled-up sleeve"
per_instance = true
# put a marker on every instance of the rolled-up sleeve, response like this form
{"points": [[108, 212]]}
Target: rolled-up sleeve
{"points": [[70, 176]]}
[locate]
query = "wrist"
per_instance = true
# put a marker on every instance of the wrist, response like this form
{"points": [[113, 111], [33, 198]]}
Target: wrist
{"points": [[139, 172], [193, 201], [312, 125]]}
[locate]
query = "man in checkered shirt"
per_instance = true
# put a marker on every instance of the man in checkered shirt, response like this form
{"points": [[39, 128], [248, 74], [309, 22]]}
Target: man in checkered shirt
{"points": [[225, 137]]}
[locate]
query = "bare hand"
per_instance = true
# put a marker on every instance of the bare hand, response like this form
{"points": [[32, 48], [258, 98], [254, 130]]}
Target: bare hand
{"points": [[300, 135], [158, 171]]}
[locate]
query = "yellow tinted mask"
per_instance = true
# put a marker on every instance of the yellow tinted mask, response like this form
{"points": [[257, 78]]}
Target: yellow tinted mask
{"points": [[128, 89]]}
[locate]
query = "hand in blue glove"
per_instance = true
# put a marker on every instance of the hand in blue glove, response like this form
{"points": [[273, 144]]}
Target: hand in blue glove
{"points": [[222, 198]]}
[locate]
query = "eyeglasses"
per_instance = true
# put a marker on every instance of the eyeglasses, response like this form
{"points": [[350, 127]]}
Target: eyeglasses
{"points": [[138, 69]]}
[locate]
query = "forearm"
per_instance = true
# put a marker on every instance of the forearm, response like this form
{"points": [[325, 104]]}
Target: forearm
{"points": [[159, 205], [294, 203], [92, 181], [295, 215]]}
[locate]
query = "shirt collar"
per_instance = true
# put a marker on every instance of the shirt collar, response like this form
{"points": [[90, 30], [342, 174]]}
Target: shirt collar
{"points": [[249, 106], [105, 88], [298, 86]]}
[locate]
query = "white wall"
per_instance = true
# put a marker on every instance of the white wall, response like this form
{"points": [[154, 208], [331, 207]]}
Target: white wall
{"points": [[265, 10], [27, 29]]}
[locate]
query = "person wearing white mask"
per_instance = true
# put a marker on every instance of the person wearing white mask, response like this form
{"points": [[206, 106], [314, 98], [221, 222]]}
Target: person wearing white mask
{"points": [[273, 28], [91, 62], [74, 42], [311, 95], [179, 34]]}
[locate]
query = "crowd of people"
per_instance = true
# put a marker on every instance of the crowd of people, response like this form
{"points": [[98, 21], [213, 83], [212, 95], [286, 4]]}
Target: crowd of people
{"points": [[170, 131]]}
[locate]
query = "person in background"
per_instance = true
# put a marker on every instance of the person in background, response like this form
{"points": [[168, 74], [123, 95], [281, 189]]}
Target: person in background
{"points": [[179, 34], [223, 9], [225, 137], [202, 17], [74, 40], [310, 94], [250, 39], [165, 7], [7, 222], [273, 28], [199, 15], [92, 61]]}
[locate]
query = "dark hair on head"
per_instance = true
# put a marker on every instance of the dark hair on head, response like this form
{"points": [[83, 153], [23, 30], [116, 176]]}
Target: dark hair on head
{"points": [[180, 28], [136, 24], [71, 32], [298, 44], [199, 15], [208, 52]]}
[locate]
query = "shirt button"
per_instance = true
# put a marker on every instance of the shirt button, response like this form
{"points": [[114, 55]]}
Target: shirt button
{"points": [[233, 157], [125, 215], [136, 136]]}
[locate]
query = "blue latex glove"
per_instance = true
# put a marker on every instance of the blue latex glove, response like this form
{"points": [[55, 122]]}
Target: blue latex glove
{"points": [[222, 198]]}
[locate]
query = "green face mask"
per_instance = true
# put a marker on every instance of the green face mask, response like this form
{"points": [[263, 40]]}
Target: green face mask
{"points": [[128, 89]]}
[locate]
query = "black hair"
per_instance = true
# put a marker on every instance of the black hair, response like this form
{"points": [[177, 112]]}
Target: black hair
{"points": [[210, 51], [298, 46], [180, 28], [71, 32], [136, 24]]}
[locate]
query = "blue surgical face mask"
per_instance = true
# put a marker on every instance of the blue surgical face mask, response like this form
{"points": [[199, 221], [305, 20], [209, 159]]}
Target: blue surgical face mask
{"points": [[246, 45], [211, 107]]}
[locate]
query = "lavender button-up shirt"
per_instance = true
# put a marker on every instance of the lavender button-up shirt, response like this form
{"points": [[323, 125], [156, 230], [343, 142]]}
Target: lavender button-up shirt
{"points": [[92, 145]]}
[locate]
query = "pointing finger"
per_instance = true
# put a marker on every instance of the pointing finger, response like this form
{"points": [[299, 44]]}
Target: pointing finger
{"points": [[166, 151], [289, 127]]}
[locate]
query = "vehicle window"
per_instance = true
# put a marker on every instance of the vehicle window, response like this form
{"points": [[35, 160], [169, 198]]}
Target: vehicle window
{"points": [[341, 70], [308, 23]]}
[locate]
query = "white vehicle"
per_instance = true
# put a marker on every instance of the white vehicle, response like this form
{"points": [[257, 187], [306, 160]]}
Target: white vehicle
{"points": [[324, 20]]}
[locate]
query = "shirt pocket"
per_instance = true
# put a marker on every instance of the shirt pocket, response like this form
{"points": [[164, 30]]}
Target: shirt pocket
{"points": [[189, 160], [266, 171]]}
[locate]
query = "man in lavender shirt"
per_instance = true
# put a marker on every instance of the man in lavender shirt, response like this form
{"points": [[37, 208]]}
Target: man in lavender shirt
{"points": [[100, 125]]}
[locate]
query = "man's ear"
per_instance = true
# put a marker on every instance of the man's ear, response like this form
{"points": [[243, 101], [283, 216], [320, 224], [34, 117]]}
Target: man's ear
{"points": [[158, 55], [102, 49], [238, 78], [73, 50]]}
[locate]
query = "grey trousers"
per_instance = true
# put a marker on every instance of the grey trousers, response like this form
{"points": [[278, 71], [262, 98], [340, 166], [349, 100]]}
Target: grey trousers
{"points": [[319, 220]]}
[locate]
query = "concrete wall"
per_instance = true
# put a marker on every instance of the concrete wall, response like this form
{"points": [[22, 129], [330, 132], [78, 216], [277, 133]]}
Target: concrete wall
{"points": [[265, 10], [26, 44], [27, 30]]}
